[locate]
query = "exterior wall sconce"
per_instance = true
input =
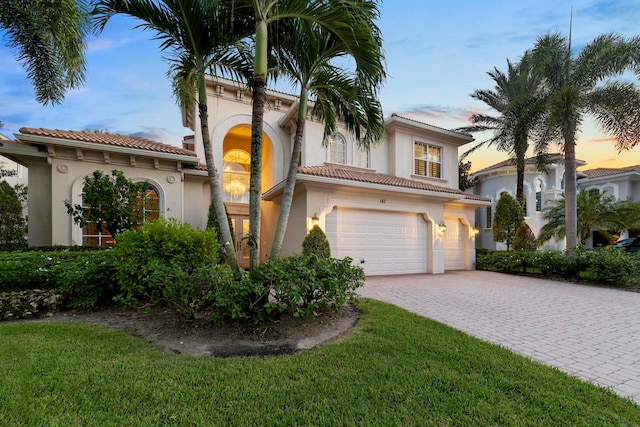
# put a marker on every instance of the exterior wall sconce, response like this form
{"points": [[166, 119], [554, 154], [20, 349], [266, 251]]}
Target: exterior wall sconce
{"points": [[315, 220], [442, 226], [475, 231]]}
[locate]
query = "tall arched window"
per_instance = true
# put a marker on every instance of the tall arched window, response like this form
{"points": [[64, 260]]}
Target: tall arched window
{"points": [[538, 185], [337, 149], [236, 176]]}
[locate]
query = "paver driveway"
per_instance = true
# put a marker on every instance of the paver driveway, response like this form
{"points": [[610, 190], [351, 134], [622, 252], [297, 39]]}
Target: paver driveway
{"points": [[587, 331]]}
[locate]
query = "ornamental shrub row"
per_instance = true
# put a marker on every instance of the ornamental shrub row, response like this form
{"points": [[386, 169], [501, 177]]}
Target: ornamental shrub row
{"points": [[613, 267], [169, 263]]}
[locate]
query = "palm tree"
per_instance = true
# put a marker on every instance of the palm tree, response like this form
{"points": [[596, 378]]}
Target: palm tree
{"points": [[594, 211], [306, 58], [350, 21], [581, 85], [517, 99], [201, 37], [49, 41]]}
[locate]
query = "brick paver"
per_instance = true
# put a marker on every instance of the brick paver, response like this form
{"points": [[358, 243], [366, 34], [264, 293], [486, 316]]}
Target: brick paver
{"points": [[587, 331]]}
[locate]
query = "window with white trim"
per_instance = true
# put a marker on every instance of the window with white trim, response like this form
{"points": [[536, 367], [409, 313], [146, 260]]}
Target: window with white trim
{"points": [[427, 160], [149, 204], [337, 149], [361, 158], [538, 195]]}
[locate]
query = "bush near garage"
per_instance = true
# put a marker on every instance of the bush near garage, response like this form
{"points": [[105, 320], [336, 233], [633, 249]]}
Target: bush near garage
{"points": [[612, 267]]}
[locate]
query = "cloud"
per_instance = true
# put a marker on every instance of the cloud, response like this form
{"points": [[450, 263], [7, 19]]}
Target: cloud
{"points": [[101, 44], [597, 142], [438, 112]]}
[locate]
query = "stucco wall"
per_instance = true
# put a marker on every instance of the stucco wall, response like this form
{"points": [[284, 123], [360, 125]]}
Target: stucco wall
{"points": [[68, 176]]}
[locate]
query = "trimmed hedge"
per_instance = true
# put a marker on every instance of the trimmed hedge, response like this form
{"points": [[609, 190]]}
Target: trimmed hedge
{"points": [[613, 267]]}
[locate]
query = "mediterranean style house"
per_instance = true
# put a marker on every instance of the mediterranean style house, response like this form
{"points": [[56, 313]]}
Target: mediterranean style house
{"points": [[540, 188], [397, 206]]}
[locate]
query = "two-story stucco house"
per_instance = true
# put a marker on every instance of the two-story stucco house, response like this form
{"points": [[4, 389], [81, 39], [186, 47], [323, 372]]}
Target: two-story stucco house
{"points": [[540, 188], [397, 206]]}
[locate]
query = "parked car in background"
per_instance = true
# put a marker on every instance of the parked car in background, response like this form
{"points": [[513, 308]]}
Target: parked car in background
{"points": [[633, 246], [623, 243]]}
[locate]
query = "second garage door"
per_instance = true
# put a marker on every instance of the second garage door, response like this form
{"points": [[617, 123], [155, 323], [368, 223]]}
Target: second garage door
{"points": [[389, 242]]}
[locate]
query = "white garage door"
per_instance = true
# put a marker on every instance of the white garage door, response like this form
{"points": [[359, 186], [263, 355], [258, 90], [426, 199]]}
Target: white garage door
{"points": [[454, 245], [389, 242]]}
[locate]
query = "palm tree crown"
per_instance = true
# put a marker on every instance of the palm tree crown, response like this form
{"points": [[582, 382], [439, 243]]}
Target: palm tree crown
{"points": [[516, 97], [50, 43]]}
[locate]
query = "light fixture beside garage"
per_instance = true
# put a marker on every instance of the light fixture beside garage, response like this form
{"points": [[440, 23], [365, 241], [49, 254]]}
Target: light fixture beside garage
{"points": [[315, 220], [442, 226]]}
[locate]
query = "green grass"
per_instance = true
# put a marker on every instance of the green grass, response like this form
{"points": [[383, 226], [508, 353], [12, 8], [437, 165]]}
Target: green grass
{"points": [[396, 368]]}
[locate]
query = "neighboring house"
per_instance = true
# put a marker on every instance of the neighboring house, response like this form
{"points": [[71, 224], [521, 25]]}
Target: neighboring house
{"points": [[20, 175], [621, 183], [540, 188], [397, 206]]}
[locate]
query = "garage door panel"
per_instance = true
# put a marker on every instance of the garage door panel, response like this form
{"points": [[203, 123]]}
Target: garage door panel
{"points": [[454, 245], [389, 242]]}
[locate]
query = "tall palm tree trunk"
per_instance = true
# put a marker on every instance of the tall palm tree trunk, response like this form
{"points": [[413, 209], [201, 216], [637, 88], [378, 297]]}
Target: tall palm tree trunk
{"points": [[255, 183], [257, 117], [570, 191], [214, 179], [290, 183]]}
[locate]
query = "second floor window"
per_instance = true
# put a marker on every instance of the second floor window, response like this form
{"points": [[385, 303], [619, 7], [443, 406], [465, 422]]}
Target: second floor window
{"points": [[361, 158], [427, 160], [337, 149]]}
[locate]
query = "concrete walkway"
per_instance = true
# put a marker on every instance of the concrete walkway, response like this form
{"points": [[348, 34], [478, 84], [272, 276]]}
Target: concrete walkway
{"points": [[590, 332]]}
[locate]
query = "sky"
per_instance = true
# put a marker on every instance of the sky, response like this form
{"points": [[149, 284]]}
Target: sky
{"points": [[437, 54]]}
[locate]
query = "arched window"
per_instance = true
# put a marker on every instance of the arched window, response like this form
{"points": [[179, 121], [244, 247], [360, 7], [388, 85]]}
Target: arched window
{"points": [[149, 205], [337, 149], [538, 195], [236, 176]]}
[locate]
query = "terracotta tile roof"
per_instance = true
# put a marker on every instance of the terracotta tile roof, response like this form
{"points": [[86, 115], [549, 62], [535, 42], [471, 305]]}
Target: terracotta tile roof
{"points": [[601, 172], [527, 161], [332, 171], [109, 139]]}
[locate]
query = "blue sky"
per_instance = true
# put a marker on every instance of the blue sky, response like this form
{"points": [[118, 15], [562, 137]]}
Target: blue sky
{"points": [[437, 53]]}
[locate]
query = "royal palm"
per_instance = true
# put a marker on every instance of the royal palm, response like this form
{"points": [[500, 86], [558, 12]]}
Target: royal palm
{"points": [[337, 94], [200, 37]]}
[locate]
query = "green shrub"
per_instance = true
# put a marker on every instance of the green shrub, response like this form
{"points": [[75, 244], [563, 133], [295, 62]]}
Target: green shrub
{"points": [[239, 297], [612, 267], [303, 285], [192, 293], [316, 243], [508, 216], [524, 240], [139, 253], [33, 270], [88, 279], [13, 225]]}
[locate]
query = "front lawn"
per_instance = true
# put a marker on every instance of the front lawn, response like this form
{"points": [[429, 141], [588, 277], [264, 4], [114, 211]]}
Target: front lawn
{"points": [[395, 368]]}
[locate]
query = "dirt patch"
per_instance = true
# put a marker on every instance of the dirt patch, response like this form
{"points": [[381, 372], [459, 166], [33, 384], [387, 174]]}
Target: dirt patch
{"points": [[168, 330]]}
